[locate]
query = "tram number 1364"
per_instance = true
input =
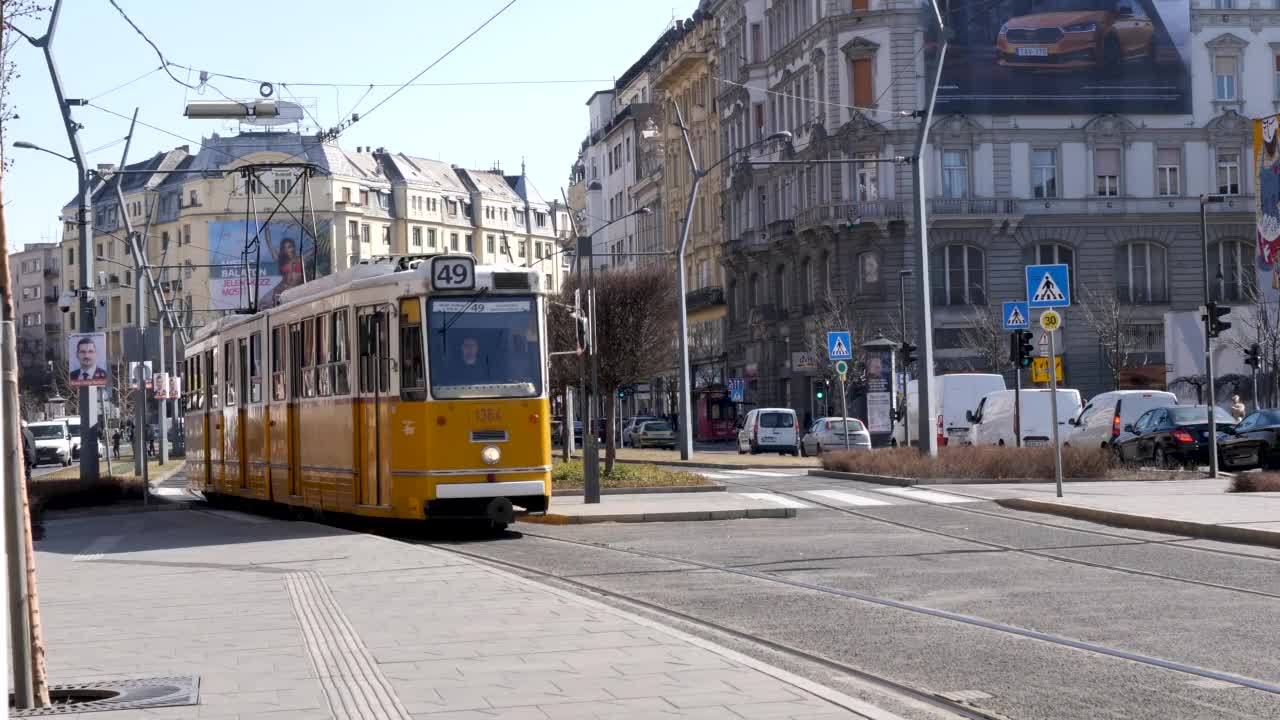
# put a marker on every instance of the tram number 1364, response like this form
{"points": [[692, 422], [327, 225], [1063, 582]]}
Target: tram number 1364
{"points": [[453, 273]]}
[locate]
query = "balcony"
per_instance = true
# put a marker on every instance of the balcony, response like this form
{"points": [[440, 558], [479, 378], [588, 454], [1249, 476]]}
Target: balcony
{"points": [[983, 207], [842, 213], [53, 327], [1132, 205], [703, 298], [51, 270], [1142, 295]]}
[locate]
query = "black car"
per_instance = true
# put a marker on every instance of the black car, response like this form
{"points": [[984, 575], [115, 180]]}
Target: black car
{"points": [[1253, 442], [1170, 436]]}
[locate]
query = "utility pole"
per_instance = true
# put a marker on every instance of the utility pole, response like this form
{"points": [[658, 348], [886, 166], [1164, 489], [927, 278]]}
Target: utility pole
{"points": [[924, 381], [1210, 317]]}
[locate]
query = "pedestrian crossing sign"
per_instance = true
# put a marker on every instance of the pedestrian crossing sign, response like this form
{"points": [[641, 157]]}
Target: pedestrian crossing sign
{"points": [[1016, 316], [838, 343], [1048, 286]]}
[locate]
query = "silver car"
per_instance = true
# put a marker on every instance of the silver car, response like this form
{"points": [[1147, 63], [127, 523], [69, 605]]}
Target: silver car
{"points": [[654, 433], [829, 434]]}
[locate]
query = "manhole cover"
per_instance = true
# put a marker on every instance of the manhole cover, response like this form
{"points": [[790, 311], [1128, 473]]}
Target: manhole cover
{"points": [[116, 695]]}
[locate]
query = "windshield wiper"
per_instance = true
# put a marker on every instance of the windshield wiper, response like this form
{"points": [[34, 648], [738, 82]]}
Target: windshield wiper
{"points": [[449, 323]]}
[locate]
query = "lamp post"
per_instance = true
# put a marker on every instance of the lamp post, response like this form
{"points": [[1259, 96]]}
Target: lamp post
{"points": [[686, 389], [1209, 319], [591, 444], [902, 312]]}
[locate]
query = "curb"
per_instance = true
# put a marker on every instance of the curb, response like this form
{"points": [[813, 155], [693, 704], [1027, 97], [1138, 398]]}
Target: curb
{"points": [[673, 489], [678, 463], [676, 516], [1208, 531], [940, 482], [160, 506]]}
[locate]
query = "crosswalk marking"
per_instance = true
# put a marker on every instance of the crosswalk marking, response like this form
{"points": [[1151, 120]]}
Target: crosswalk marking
{"points": [[927, 495], [844, 498], [759, 473], [716, 476], [98, 548], [783, 501]]}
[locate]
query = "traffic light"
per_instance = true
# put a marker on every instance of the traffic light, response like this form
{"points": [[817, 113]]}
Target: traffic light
{"points": [[1021, 351], [1253, 357], [821, 393], [584, 333], [1216, 324], [622, 394], [908, 353]]}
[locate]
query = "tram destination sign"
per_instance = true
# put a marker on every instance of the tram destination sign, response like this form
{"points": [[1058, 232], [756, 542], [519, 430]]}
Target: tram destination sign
{"points": [[453, 272]]}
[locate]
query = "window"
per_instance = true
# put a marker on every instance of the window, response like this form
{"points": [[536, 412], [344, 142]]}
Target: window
{"points": [[193, 199], [339, 353], [128, 312], [1056, 254], [1231, 271], [186, 234], [1106, 172], [346, 194], [309, 360], [1168, 161], [958, 278], [413, 369], [1140, 273], [1223, 4], [1228, 172], [862, 87], [522, 248], [255, 367], [489, 244], [71, 256], [386, 235], [31, 319], [431, 238], [353, 230], [364, 197], [757, 45], [1225, 68], [453, 241], [364, 233], [868, 180], [229, 372], [540, 219], [31, 293], [1276, 76], [868, 280], [417, 237], [467, 240], [277, 364], [1044, 173], [164, 241], [955, 173]]}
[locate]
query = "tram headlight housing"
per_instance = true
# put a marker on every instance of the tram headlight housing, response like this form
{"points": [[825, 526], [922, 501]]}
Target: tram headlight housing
{"points": [[490, 455]]}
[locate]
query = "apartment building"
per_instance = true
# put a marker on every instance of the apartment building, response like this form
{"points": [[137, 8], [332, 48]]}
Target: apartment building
{"points": [[35, 278], [1110, 187]]}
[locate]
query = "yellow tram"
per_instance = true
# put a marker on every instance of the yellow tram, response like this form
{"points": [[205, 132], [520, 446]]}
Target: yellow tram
{"points": [[406, 388]]}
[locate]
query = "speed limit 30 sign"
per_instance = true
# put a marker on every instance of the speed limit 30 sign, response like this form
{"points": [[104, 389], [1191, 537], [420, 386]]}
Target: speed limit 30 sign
{"points": [[1050, 320]]}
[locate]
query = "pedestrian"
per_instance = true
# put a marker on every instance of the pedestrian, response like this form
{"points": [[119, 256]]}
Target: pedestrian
{"points": [[28, 449], [115, 443], [1237, 408]]}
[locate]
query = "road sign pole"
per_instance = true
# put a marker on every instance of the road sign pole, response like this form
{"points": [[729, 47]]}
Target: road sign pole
{"points": [[844, 413], [1053, 406], [1017, 405]]}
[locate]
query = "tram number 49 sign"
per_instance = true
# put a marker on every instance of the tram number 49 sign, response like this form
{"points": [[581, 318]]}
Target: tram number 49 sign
{"points": [[453, 273]]}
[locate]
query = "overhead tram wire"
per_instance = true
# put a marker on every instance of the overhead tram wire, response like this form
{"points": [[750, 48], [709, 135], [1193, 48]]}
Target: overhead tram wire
{"points": [[124, 85]]}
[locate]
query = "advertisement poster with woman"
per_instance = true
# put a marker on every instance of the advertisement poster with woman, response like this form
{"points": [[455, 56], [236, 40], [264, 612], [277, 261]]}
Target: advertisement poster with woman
{"points": [[288, 258], [1268, 210]]}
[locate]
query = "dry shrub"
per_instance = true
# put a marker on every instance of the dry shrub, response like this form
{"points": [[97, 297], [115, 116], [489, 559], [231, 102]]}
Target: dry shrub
{"points": [[970, 462], [1255, 482]]}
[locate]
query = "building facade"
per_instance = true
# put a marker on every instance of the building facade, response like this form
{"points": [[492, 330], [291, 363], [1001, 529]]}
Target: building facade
{"points": [[1113, 194], [35, 278]]}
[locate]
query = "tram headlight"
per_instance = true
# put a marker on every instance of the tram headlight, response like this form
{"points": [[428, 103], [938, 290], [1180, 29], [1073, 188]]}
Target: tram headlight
{"points": [[490, 455]]}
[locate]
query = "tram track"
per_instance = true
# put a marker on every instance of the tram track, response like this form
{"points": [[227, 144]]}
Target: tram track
{"points": [[1042, 554]]}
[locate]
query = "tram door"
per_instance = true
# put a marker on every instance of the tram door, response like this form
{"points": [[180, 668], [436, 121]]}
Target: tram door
{"points": [[374, 418], [209, 405]]}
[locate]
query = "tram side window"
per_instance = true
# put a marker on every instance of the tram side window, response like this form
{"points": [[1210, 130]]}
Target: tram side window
{"points": [[309, 357], [375, 351], [413, 371], [277, 363], [324, 330], [339, 354], [255, 368], [229, 373], [210, 380], [295, 361], [242, 371]]}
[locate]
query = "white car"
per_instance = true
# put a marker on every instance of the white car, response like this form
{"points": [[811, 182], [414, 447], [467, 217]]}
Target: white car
{"points": [[993, 419], [769, 430], [829, 434], [1103, 418], [632, 426]]}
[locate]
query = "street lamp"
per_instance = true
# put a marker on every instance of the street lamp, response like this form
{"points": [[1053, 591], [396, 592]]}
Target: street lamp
{"points": [[591, 451], [686, 394], [24, 145], [1210, 317]]}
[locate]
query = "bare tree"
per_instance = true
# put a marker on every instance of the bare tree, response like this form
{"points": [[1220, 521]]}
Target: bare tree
{"points": [[985, 338], [635, 315], [1263, 323], [1112, 321]]}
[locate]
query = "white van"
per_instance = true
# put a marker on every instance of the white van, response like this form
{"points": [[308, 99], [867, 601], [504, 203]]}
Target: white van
{"points": [[1104, 417], [993, 418], [53, 442], [959, 393], [770, 430]]}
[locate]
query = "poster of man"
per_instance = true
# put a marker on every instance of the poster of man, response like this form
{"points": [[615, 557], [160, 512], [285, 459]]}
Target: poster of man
{"points": [[879, 390], [146, 374], [87, 359]]}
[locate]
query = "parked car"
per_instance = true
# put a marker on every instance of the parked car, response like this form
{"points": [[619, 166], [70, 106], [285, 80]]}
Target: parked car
{"points": [[829, 434], [953, 396], [654, 433], [770, 430], [1170, 436], [993, 419], [53, 442], [632, 425], [1105, 415], [1253, 442]]}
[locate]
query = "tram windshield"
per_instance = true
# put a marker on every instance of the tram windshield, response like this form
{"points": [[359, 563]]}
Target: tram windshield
{"points": [[484, 347]]}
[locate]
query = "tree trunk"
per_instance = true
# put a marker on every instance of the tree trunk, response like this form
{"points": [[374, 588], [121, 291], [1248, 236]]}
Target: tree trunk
{"points": [[610, 439], [39, 682]]}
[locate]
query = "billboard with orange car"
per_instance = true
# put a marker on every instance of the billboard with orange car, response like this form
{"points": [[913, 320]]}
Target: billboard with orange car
{"points": [[1067, 57]]}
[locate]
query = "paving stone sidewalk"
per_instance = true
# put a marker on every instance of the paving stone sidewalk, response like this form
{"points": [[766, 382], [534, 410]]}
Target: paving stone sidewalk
{"points": [[296, 620]]}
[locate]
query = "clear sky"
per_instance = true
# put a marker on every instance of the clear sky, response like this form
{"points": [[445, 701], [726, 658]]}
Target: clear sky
{"points": [[327, 41]]}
